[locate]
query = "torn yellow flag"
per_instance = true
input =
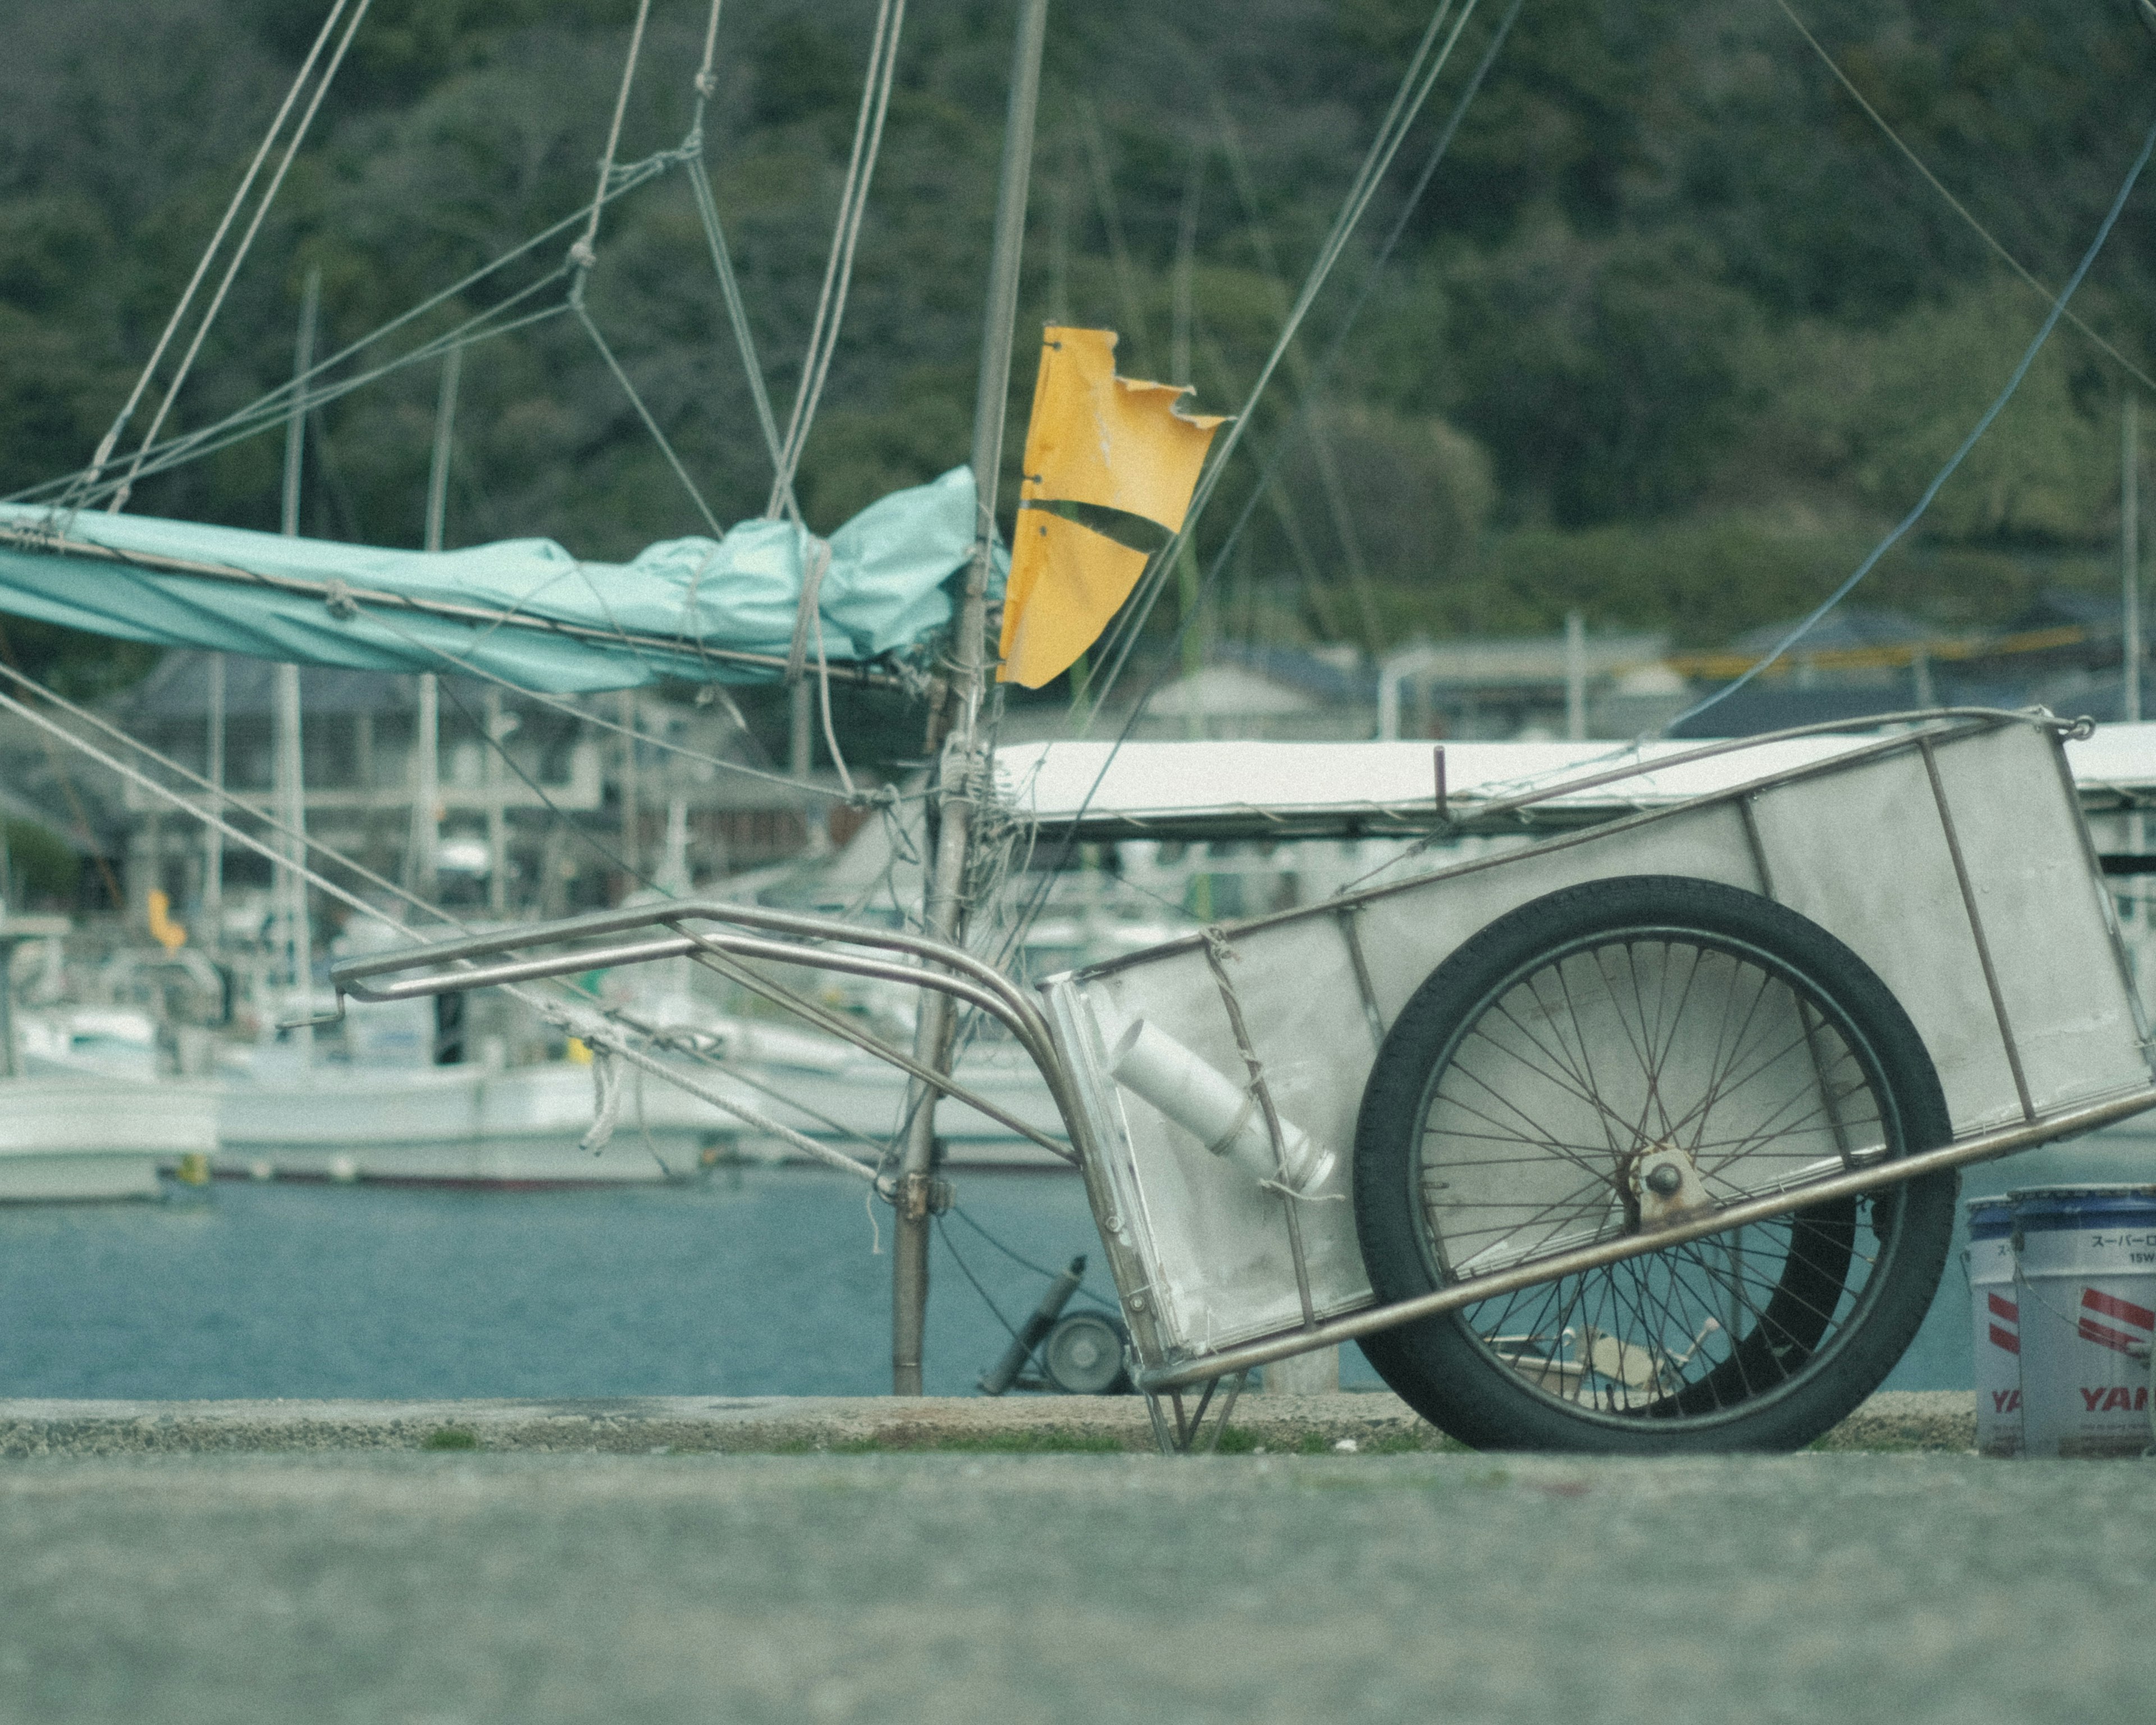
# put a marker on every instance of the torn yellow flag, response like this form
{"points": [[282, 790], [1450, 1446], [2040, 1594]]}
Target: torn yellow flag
{"points": [[1067, 582], [1096, 438]]}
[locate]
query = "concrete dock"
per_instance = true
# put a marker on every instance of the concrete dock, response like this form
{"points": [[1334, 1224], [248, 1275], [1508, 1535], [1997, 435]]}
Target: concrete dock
{"points": [[324, 1564], [1374, 1424]]}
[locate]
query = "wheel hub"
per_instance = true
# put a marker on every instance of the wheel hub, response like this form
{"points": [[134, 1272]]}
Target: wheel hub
{"points": [[1666, 1186]]}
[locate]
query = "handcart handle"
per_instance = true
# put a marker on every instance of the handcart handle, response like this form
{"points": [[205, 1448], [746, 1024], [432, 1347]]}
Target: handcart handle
{"points": [[451, 967]]}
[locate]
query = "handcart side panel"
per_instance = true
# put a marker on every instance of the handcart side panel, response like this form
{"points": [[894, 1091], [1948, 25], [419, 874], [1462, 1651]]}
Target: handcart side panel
{"points": [[2076, 1022], [1409, 932], [1860, 845], [1878, 858], [1864, 855], [1296, 992], [1218, 1247]]}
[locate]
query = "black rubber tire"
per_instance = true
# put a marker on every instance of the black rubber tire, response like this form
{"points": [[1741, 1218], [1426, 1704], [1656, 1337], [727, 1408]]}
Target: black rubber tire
{"points": [[1809, 1358]]}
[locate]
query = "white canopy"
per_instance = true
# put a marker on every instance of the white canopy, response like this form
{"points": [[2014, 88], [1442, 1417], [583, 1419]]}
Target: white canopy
{"points": [[1220, 790]]}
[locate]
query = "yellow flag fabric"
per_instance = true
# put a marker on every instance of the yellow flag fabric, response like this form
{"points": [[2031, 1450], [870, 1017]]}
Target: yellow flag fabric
{"points": [[1097, 439], [1065, 582]]}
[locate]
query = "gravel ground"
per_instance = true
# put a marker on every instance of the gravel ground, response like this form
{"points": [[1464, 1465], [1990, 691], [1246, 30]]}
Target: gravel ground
{"points": [[425, 1590]]}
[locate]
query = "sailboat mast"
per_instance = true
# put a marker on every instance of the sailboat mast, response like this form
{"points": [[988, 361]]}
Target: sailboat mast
{"points": [[212, 916], [962, 767], [425, 839], [291, 787]]}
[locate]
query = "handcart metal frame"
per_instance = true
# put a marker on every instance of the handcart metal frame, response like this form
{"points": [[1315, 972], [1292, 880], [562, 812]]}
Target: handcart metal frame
{"points": [[1065, 1041]]}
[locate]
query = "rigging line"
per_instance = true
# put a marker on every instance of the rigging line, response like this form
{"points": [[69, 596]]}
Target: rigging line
{"points": [[722, 263], [250, 422], [1379, 160], [582, 255], [824, 695], [943, 1233], [323, 883], [276, 401], [111, 438], [548, 1010], [471, 668], [1104, 194], [1025, 1263], [222, 796], [57, 761], [1953, 202], [704, 84], [1414, 90], [838, 270], [1317, 377], [644, 412], [1314, 378], [1953, 461], [273, 408], [261, 846], [707, 212], [240, 252]]}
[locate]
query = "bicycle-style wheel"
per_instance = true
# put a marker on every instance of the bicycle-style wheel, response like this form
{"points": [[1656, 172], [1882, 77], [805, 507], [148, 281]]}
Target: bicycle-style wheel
{"points": [[1601, 1062]]}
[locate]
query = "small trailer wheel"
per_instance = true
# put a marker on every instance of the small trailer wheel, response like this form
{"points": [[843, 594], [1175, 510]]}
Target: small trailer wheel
{"points": [[1084, 1354], [1625, 1053]]}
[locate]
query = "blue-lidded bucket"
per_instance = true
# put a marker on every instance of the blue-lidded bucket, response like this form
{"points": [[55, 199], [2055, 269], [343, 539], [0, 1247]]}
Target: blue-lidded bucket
{"points": [[2084, 1276], [1992, 1306]]}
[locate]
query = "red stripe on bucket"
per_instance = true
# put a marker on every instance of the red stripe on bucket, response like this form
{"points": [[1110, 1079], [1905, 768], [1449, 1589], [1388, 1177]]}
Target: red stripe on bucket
{"points": [[2105, 1337], [2001, 1307], [2111, 1306], [2006, 1339]]}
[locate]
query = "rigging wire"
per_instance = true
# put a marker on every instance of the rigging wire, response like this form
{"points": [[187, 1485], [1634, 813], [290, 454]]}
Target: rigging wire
{"points": [[1422, 74], [708, 212], [1318, 375], [593, 1021], [1039, 1269], [111, 438], [838, 269], [582, 255], [644, 412], [272, 406], [965, 1270], [1953, 202], [239, 253], [1983, 424]]}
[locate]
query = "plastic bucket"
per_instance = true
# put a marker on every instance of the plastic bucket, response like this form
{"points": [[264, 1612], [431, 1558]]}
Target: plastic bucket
{"points": [[2085, 1270], [1993, 1305]]}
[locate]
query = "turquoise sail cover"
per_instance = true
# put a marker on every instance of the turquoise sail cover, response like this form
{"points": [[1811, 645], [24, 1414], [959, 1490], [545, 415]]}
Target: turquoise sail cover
{"points": [[523, 610]]}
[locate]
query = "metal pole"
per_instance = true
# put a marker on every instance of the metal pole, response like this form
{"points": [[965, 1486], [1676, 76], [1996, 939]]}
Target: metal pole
{"points": [[438, 468], [497, 816], [424, 845], [1575, 676], [426, 840], [962, 767], [798, 746], [213, 892], [632, 812], [2132, 913], [2129, 555], [291, 786]]}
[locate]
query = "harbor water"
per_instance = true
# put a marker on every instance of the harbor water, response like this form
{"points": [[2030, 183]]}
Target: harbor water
{"points": [[756, 1281]]}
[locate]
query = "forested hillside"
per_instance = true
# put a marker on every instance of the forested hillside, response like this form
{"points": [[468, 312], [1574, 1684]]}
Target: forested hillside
{"points": [[1675, 330]]}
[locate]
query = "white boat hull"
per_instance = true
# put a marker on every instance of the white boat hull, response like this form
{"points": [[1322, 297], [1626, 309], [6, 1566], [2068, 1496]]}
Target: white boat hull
{"points": [[450, 1125], [72, 1138], [522, 1126]]}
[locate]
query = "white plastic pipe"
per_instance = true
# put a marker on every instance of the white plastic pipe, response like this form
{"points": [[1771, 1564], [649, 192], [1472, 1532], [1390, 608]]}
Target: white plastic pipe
{"points": [[1222, 1115]]}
